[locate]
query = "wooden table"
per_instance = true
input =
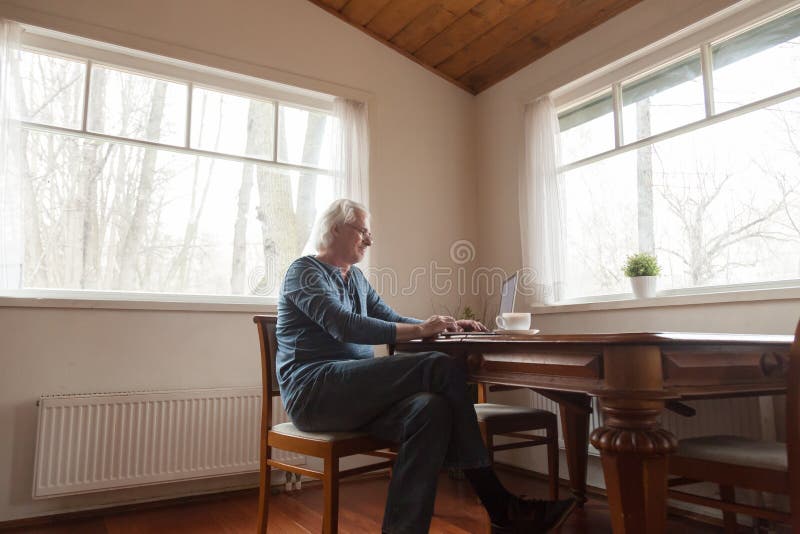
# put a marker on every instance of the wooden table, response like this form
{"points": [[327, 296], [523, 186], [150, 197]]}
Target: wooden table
{"points": [[634, 375]]}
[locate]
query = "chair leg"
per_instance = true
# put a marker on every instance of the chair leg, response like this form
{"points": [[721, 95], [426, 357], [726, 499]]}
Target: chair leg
{"points": [[728, 494], [552, 460], [330, 482], [264, 487]]}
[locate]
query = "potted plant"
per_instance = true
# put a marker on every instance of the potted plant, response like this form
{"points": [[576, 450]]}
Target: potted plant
{"points": [[643, 270]]}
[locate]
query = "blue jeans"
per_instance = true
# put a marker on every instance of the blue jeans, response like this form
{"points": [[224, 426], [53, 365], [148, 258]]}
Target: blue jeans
{"points": [[419, 401]]}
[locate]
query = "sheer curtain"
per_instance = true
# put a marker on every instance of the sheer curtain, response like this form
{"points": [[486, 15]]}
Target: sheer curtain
{"points": [[10, 179], [351, 156], [541, 199]]}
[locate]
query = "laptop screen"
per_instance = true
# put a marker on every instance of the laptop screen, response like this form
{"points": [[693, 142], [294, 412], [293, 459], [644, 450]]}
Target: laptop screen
{"points": [[507, 294]]}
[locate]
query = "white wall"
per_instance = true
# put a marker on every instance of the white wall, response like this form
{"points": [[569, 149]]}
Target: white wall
{"points": [[422, 199]]}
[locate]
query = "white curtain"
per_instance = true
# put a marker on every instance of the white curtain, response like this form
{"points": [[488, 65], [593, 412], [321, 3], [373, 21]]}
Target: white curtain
{"points": [[10, 179], [541, 199], [351, 156]]}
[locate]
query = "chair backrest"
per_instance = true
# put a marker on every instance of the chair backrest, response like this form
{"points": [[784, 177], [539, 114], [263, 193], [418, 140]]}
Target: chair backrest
{"points": [[793, 428], [268, 339], [269, 382]]}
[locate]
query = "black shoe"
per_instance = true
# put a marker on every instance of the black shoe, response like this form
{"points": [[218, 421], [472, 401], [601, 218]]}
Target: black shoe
{"points": [[532, 516]]}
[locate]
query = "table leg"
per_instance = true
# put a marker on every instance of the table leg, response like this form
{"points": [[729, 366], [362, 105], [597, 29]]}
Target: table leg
{"points": [[635, 468], [575, 430], [633, 446]]}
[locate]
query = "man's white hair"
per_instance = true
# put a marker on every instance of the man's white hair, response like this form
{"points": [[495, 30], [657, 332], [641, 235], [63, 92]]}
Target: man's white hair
{"points": [[340, 211]]}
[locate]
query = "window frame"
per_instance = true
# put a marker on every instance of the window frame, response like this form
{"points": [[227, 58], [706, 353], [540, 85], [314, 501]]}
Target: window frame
{"points": [[192, 75], [702, 36]]}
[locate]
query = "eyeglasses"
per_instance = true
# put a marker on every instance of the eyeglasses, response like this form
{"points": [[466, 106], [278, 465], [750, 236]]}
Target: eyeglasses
{"points": [[365, 234]]}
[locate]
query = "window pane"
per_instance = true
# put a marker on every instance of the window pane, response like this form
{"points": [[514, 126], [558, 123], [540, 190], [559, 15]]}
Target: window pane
{"points": [[601, 225], [587, 129], [663, 100], [137, 107], [52, 89], [232, 124], [759, 63], [305, 137], [723, 207], [111, 216]]}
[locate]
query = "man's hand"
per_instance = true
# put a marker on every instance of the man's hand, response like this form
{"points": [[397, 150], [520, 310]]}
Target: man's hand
{"points": [[436, 324], [469, 325]]}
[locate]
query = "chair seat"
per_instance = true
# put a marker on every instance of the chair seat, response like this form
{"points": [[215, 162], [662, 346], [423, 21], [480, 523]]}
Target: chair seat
{"points": [[735, 450], [503, 413], [289, 429]]}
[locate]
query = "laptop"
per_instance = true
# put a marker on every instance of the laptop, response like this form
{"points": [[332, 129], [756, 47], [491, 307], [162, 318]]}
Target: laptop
{"points": [[508, 294]]}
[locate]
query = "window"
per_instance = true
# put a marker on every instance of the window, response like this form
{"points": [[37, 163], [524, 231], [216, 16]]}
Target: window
{"points": [[695, 160], [138, 181]]}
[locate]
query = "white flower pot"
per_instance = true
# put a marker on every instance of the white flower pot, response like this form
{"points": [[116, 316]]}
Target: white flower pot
{"points": [[644, 287]]}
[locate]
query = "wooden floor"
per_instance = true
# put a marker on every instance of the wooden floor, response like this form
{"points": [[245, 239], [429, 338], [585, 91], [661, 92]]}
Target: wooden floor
{"points": [[457, 512]]}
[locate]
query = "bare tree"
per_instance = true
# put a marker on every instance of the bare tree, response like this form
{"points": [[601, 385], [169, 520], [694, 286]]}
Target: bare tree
{"points": [[692, 203], [142, 197]]}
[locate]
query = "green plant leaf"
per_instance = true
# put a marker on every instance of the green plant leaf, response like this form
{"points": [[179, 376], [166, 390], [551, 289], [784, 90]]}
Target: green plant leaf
{"points": [[641, 264]]}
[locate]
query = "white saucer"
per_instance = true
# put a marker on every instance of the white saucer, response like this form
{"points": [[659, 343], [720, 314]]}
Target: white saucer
{"points": [[523, 332]]}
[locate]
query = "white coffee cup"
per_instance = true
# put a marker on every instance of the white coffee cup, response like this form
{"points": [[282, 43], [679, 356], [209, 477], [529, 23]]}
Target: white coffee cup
{"points": [[514, 321]]}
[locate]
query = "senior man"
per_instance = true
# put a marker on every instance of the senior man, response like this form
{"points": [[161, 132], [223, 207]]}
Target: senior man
{"points": [[329, 317]]}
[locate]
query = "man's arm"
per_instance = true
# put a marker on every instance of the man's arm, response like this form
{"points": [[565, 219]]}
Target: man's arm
{"points": [[424, 329], [307, 288]]}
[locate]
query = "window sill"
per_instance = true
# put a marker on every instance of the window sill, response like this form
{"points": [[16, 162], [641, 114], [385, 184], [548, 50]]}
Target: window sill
{"points": [[113, 300], [665, 299]]}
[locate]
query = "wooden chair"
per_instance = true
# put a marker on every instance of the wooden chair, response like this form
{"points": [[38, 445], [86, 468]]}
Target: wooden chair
{"points": [[329, 446], [736, 462], [514, 422]]}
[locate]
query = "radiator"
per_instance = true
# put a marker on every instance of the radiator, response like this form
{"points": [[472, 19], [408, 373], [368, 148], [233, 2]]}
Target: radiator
{"points": [[94, 442]]}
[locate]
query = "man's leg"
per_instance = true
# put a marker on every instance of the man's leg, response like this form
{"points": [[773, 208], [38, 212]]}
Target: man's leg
{"points": [[421, 425], [348, 395]]}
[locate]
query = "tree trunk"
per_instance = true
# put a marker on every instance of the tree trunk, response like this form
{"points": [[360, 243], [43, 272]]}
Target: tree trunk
{"points": [[239, 263], [94, 160], [278, 234], [181, 264], [132, 243], [644, 179], [33, 256], [257, 128], [307, 187]]}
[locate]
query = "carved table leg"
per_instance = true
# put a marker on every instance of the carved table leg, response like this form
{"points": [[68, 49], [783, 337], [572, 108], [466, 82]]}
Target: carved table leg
{"points": [[575, 430], [633, 447]]}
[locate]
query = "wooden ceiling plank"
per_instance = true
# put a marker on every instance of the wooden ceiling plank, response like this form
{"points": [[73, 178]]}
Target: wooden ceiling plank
{"points": [[335, 4], [360, 12], [522, 53], [470, 26], [526, 21], [431, 22], [396, 16]]}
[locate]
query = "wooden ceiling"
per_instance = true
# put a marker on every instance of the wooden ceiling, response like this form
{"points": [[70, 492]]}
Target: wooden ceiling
{"points": [[475, 43]]}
